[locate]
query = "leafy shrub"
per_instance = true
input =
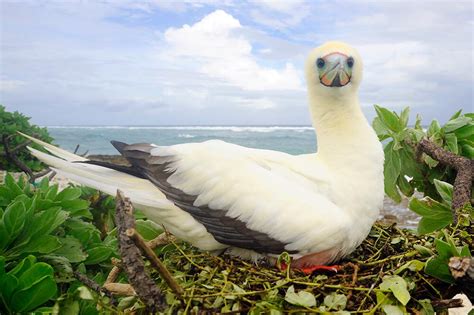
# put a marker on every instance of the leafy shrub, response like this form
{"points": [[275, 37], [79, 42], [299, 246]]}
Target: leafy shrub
{"points": [[404, 173], [46, 229], [457, 136], [10, 123]]}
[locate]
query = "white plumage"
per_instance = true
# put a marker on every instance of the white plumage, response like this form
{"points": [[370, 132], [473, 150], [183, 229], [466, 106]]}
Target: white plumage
{"points": [[318, 206]]}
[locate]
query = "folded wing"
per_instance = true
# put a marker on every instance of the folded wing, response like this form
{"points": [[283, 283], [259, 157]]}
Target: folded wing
{"points": [[247, 198]]}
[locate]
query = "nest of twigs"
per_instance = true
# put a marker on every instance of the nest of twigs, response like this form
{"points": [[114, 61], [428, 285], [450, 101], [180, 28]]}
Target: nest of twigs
{"points": [[223, 284]]}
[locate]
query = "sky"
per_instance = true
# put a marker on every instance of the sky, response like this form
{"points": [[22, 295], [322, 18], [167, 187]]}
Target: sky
{"points": [[204, 62]]}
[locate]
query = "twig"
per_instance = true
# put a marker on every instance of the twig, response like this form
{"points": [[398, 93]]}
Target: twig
{"points": [[162, 239], [155, 261], [20, 146], [113, 275], [10, 154], [443, 304], [132, 262], [94, 286], [77, 148], [12, 157], [120, 288], [464, 168]]}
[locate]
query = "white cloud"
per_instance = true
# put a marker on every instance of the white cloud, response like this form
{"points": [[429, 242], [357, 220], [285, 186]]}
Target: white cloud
{"points": [[280, 14], [221, 52]]}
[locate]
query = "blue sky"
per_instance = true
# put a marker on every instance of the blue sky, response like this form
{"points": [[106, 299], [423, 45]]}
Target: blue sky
{"points": [[225, 62]]}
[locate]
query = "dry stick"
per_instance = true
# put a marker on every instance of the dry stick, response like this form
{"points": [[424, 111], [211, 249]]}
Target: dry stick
{"points": [[120, 288], [94, 286], [10, 154], [162, 239], [12, 157], [444, 304], [132, 262], [155, 261], [465, 173]]}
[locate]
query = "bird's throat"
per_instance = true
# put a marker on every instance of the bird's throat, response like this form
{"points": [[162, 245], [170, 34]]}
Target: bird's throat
{"points": [[342, 130]]}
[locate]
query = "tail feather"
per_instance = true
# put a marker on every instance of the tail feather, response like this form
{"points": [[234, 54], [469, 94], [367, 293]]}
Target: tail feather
{"points": [[141, 191], [63, 154]]}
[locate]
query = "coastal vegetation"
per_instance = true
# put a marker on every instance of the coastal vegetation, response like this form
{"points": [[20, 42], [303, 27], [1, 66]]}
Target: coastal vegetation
{"points": [[13, 154], [64, 250]]}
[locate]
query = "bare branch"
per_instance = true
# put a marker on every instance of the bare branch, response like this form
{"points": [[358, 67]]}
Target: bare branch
{"points": [[464, 168], [132, 262], [155, 261]]}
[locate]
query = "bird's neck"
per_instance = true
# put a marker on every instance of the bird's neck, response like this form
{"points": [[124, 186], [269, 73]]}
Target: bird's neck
{"points": [[342, 131]]}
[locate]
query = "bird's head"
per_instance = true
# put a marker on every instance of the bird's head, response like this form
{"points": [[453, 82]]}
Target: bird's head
{"points": [[333, 69]]}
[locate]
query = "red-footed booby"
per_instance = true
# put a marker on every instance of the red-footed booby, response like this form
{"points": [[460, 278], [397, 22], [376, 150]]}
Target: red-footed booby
{"points": [[259, 203]]}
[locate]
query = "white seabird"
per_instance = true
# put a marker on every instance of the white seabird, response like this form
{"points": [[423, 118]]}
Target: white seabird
{"points": [[216, 195]]}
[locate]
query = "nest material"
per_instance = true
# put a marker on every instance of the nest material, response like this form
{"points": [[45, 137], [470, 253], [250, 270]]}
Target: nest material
{"points": [[217, 284]]}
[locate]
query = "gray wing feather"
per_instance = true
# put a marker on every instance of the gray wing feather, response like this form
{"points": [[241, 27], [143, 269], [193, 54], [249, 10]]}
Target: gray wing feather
{"points": [[226, 230]]}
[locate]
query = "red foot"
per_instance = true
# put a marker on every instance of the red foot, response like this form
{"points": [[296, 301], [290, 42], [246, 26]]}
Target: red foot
{"points": [[310, 270]]}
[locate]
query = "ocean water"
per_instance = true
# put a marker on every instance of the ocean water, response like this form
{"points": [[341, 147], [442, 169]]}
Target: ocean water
{"points": [[96, 139]]}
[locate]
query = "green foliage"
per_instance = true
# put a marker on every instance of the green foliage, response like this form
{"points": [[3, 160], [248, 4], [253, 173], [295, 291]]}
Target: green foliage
{"points": [[54, 226], [10, 123], [27, 285], [403, 174], [437, 266]]}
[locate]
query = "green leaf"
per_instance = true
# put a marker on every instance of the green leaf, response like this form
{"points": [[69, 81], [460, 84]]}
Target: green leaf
{"points": [[8, 285], [392, 168], [71, 248], [413, 265], [51, 192], [12, 185], [390, 309], [456, 123], [24, 265], [85, 232], [404, 116], [301, 298], [97, 254], [44, 245], [452, 143], [380, 129], [418, 125], [74, 206], [69, 193], [429, 160], [335, 301], [148, 229], [34, 275], [445, 250], [456, 114], [429, 225], [465, 132], [438, 268], [426, 307], [388, 118], [34, 296], [445, 190], [433, 128], [468, 151], [398, 286], [405, 186], [428, 207], [14, 219]]}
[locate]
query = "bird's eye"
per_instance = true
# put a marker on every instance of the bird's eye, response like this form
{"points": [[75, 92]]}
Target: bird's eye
{"points": [[350, 62], [320, 63]]}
